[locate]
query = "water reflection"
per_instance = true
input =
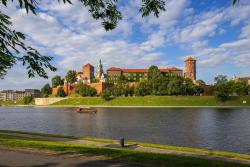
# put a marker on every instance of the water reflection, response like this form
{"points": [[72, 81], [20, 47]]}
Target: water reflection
{"points": [[220, 129]]}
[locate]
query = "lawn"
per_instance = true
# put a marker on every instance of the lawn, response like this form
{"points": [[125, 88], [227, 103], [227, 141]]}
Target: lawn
{"points": [[156, 101], [131, 156]]}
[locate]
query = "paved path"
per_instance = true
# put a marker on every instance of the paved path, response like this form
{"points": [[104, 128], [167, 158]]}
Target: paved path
{"points": [[134, 147], [11, 158]]}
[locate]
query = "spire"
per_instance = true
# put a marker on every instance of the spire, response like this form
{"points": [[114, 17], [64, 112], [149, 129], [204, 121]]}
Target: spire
{"points": [[99, 67]]}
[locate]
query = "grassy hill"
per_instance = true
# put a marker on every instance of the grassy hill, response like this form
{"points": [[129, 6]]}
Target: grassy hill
{"points": [[156, 101]]}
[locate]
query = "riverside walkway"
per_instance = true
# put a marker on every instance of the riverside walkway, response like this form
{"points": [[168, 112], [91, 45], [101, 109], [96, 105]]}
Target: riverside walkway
{"points": [[137, 147]]}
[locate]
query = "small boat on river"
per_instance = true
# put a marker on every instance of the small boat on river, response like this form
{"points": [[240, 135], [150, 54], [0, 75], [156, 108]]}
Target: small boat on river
{"points": [[86, 110]]}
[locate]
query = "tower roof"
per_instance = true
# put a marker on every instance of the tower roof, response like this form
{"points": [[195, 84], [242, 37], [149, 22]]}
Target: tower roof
{"points": [[88, 65], [190, 58]]}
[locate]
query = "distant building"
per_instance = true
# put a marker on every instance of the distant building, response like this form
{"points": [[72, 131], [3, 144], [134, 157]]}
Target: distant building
{"points": [[190, 68], [14, 95], [33, 92], [88, 73], [136, 75], [101, 81]]}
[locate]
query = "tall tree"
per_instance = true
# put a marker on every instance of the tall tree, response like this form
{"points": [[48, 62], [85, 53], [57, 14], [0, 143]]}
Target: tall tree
{"points": [[60, 92], [221, 89], [220, 79], [46, 90], [175, 86], [56, 81], [71, 76]]}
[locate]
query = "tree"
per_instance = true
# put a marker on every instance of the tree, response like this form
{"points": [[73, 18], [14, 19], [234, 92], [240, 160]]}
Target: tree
{"points": [[56, 81], [220, 79], [27, 99], [12, 42], [153, 73], [142, 89], [239, 87], [85, 90], [106, 95], [200, 82], [154, 79], [46, 90], [189, 87], [175, 86], [60, 92], [221, 92], [221, 89], [71, 76]]}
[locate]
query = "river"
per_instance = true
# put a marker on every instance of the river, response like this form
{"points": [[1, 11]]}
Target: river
{"points": [[209, 128]]}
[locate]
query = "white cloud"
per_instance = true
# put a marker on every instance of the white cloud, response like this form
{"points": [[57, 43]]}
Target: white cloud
{"points": [[69, 33]]}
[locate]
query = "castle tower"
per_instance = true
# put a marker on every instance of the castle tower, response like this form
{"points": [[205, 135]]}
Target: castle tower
{"points": [[88, 72], [99, 70], [190, 68]]}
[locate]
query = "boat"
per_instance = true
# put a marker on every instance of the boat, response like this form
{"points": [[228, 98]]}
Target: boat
{"points": [[86, 110]]}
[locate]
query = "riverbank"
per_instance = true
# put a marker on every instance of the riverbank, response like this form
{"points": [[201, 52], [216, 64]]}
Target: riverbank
{"points": [[147, 101], [159, 101], [138, 153]]}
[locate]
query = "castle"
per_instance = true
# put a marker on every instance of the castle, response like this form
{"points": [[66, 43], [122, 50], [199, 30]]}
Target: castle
{"points": [[101, 81]]}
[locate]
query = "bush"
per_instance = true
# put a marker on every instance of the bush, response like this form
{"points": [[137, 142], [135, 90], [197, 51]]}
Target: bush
{"points": [[85, 90], [60, 92], [27, 99], [106, 95], [221, 92]]}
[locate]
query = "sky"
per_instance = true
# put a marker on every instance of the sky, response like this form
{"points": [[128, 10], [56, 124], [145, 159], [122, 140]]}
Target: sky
{"points": [[214, 31]]}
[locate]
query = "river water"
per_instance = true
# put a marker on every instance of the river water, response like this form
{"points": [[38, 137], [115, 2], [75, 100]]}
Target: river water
{"points": [[209, 128]]}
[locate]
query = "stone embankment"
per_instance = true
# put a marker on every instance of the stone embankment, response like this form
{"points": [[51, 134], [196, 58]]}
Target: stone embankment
{"points": [[48, 101]]}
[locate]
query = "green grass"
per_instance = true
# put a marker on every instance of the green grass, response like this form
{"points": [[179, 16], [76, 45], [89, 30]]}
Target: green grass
{"points": [[175, 148], [155, 101], [11, 103], [130, 156]]}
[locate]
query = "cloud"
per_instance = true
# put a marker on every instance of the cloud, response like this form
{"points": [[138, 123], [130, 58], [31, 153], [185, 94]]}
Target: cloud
{"points": [[77, 38], [73, 37]]}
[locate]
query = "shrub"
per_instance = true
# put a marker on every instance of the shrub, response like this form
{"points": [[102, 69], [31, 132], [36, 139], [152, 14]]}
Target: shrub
{"points": [[106, 95], [85, 90], [27, 99], [60, 92]]}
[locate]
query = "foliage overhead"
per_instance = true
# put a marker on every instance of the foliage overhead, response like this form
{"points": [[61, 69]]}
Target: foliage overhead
{"points": [[14, 50]]}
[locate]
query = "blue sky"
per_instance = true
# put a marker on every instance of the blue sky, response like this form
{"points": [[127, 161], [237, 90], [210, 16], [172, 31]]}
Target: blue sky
{"points": [[215, 32]]}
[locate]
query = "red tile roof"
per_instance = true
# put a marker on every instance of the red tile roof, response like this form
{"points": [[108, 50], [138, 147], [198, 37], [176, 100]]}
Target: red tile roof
{"points": [[134, 70], [142, 70], [114, 69]]}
